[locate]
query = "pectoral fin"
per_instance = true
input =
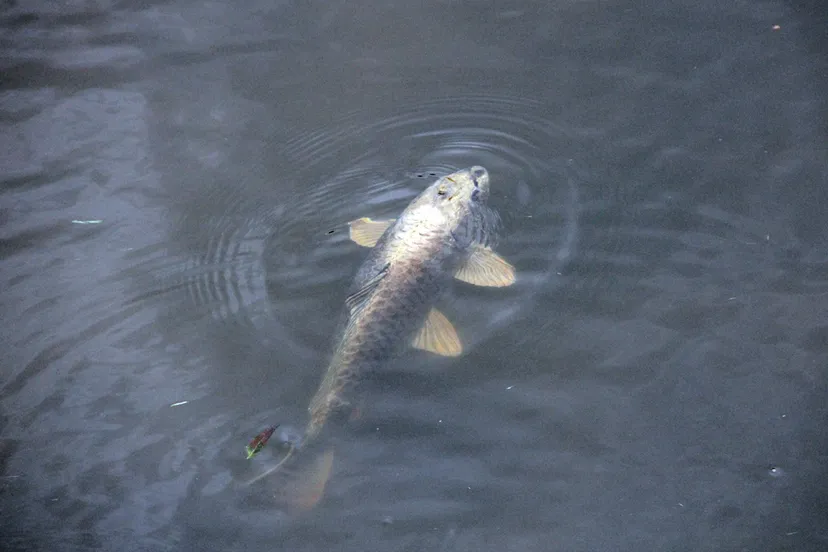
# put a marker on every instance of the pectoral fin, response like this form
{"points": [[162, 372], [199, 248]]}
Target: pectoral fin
{"points": [[357, 300], [367, 232], [438, 336], [484, 267]]}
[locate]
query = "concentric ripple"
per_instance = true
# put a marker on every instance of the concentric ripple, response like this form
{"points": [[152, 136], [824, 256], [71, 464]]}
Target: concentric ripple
{"points": [[272, 253], [268, 252], [373, 168]]}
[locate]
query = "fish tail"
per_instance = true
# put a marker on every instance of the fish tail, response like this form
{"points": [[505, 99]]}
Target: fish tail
{"points": [[305, 492], [304, 489]]}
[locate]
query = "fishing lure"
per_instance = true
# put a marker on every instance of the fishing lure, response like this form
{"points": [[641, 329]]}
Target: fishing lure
{"points": [[259, 441]]}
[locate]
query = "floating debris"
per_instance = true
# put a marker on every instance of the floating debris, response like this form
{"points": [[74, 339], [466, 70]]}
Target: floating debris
{"points": [[94, 221], [259, 441], [178, 403]]}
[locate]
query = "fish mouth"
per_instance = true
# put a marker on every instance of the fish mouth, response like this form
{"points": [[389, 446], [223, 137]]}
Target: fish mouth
{"points": [[480, 177]]}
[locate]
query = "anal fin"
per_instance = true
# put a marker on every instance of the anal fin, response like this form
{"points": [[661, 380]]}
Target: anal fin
{"points": [[438, 336], [357, 300]]}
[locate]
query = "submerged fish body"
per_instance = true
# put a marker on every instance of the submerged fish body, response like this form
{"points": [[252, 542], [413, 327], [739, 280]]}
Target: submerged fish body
{"points": [[445, 232]]}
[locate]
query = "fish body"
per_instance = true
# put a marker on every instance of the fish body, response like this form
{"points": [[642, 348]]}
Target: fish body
{"points": [[445, 232], [409, 267]]}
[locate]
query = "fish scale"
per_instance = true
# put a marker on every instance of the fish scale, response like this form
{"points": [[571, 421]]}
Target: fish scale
{"points": [[420, 251], [378, 331]]}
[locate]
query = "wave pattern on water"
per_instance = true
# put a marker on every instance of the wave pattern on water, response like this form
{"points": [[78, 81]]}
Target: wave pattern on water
{"points": [[378, 165], [259, 256], [665, 339]]}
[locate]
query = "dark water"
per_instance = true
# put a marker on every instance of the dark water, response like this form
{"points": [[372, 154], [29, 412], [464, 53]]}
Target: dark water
{"points": [[176, 179]]}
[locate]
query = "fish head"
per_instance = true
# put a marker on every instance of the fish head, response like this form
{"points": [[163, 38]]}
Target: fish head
{"points": [[467, 186], [457, 195], [462, 198], [456, 207]]}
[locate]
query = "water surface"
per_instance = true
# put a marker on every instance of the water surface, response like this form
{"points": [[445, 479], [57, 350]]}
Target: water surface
{"points": [[176, 182]]}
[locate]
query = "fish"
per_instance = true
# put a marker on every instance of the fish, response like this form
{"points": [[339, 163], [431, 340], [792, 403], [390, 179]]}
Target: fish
{"points": [[447, 232]]}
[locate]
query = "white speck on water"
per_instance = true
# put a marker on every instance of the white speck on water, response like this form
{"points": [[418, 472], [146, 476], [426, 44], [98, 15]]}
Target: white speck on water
{"points": [[510, 14], [94, 221], [680, 504], [509, 387], [776, 472], [439, 421], [792, 533], [178, 403]]}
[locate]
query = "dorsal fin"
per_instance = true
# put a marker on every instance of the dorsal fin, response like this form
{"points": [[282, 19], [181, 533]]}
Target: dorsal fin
{"points": [[357, 299]]}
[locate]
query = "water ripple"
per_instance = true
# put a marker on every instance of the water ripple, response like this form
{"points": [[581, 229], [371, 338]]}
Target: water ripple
{"points": [[261, 253], [373, 163]]}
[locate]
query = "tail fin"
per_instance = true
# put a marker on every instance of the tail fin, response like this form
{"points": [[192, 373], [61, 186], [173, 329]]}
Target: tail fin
{"points": [[304, 488], [306, 491]]}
